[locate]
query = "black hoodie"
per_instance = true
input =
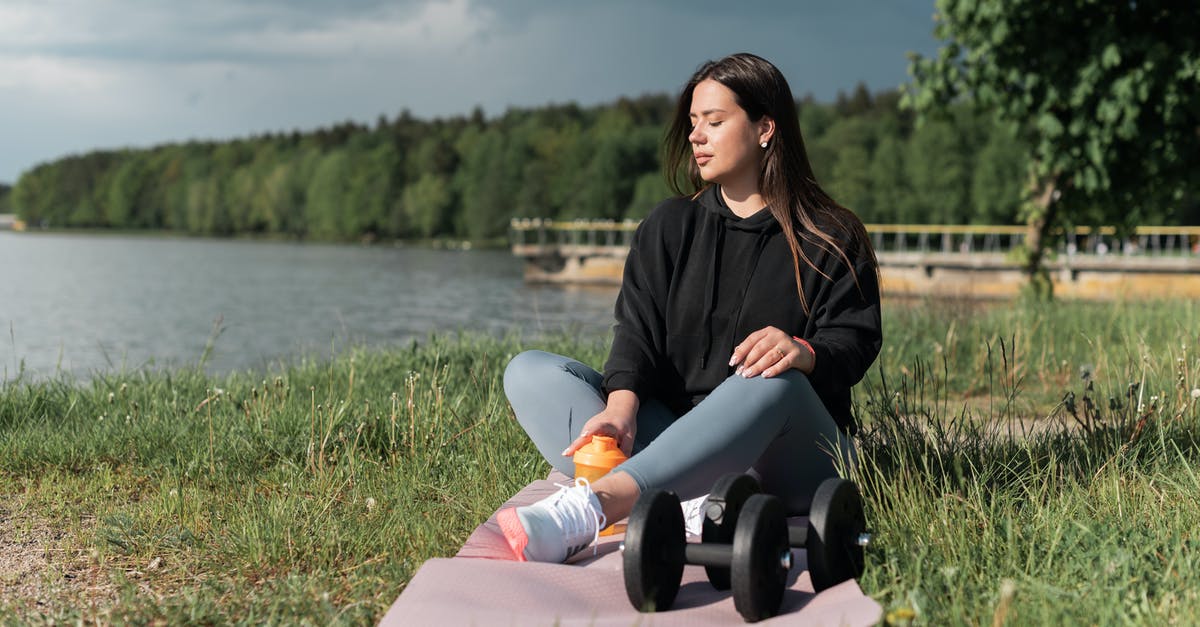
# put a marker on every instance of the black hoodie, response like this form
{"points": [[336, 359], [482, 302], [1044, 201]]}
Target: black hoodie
{"points": [[699, 279]]}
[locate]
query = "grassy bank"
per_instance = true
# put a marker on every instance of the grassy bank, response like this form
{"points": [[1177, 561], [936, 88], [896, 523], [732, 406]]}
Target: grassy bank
{"points": [[1021, 465]]}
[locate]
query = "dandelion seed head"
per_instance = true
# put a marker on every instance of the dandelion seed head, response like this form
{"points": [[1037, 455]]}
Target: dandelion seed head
{"points": [[370, 503], [111, 396], [173, 493], [1196, 393]]}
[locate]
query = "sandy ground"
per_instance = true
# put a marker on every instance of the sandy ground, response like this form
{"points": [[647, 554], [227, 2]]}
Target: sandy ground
{"points": [[42, 570]]}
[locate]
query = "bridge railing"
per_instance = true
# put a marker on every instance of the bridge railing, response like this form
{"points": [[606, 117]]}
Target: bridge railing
{"points": [[547, 232], [1175, 241]]}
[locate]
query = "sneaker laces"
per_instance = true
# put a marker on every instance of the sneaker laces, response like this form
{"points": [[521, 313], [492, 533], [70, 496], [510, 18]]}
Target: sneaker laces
{"points": [[572, 510], [693, 515]]}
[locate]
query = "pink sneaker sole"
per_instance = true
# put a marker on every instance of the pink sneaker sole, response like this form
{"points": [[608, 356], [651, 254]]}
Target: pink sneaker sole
{"points": [[514, 532]]}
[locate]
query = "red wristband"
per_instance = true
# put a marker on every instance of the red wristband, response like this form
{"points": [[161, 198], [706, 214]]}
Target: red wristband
{"points": [[805, 344]]}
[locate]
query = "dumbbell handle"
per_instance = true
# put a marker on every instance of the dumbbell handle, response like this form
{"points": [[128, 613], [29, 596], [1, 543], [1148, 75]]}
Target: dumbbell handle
{"points": [[720, 555], [798, 537]]}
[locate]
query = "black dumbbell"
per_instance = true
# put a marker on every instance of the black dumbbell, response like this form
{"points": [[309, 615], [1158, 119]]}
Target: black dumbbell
{"points": [[833, 540], [656, 549]]}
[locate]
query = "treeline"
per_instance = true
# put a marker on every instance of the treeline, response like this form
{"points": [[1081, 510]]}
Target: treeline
{"points": [[5, 192], [466, 176]]}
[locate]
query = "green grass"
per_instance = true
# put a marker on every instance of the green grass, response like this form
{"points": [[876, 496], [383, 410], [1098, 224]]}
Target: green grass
{"points": [[313, 493]]}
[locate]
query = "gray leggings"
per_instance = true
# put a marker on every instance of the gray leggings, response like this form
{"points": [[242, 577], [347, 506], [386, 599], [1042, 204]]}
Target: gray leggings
{"points": [[777, 429]]}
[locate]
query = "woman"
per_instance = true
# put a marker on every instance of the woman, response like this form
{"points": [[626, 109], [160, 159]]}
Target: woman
{"points": [[748, 308]]}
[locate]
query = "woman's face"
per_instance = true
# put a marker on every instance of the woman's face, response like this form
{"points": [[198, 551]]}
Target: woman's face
{"points": [[725, 143]]}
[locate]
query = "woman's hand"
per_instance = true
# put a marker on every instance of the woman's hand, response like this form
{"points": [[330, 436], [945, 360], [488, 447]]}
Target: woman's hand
{"points": [[770, 351], [618, 421]]}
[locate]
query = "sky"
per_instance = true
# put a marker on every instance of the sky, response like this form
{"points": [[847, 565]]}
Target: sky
{"points": [[80, 75]]}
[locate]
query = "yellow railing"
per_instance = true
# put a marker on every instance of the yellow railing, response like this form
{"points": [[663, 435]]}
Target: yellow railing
{"points": [[533, 224], [999, 229], [902, 238]]}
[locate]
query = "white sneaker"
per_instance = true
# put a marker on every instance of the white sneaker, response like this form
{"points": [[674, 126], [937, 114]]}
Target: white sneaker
{"points": [[693, 515], [556, 527]]}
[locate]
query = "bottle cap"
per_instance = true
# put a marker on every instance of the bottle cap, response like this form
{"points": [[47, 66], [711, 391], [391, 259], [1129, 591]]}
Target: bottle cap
{"points": [[601, 452]]}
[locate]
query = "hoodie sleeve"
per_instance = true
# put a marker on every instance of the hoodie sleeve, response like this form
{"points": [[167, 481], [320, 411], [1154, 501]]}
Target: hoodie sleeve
{"points": [[639, 335], [845, 329]]}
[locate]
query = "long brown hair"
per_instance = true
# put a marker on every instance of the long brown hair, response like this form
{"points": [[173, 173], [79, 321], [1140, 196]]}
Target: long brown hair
{"points": [[786, 180]]}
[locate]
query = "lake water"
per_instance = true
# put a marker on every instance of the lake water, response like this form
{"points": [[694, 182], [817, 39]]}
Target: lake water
{"points": [[89, 303]]}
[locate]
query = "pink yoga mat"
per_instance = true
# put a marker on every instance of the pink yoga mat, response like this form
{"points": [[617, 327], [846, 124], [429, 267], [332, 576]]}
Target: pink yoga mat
{"points": [[484, 585]]}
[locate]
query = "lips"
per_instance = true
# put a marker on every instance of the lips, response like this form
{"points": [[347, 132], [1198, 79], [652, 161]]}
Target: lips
{"points": [[702, 158]]}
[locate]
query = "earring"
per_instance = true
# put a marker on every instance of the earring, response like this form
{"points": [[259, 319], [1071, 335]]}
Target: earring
{"points": [[764, 144]]}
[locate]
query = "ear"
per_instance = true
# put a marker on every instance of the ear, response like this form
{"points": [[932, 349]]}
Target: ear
{"points": [[766, 129]]}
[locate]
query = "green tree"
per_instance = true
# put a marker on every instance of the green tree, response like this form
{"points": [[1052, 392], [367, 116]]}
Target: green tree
{"points": [[890, 183], [426, 207], [858, 103], [847, 146], [487, 177], [815, 119], [326, 197], [997, 180], [374, 190], [851, 182], [938, 165], [649, 190], [1105, 98]]}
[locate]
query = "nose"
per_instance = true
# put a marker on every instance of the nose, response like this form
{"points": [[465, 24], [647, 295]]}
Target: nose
{"points": [[696, 136]]}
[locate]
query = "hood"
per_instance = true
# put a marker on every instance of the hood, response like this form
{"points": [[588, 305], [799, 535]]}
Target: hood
{"points": [[762, 223], [712, 200]]}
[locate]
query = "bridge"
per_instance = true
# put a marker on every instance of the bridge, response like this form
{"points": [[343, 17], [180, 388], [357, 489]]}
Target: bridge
{"points": [[967, 261], [9, 222]]}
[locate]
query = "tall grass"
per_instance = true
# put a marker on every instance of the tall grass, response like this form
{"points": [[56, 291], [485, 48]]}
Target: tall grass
{"points": [[1021, 464], [1035, 465]]}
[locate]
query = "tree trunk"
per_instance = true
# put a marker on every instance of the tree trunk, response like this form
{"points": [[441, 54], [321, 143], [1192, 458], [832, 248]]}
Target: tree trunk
{"points": [[1038, 225]]}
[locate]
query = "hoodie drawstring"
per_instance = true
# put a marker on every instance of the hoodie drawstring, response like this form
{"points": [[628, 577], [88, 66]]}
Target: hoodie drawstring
{"points": [[760, 244], [710, 293]]}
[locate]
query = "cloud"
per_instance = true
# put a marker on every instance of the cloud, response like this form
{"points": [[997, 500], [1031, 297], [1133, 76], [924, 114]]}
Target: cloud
{"points": [[83, 74], [224, 30], [89, 70]]}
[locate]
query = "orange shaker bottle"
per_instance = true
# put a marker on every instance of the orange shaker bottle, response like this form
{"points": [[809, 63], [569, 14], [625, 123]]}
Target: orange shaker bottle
{"points": [[594, 459]]}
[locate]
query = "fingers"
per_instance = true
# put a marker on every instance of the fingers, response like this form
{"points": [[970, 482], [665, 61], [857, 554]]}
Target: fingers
{"points": [[624, 441], [577, 444], [741, 350], [785, 361], [769, 356]]}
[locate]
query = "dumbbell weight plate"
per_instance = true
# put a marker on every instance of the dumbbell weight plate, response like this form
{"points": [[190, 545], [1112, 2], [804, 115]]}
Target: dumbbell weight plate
{"points": [[653, 552], [761, 558], [721, 515], [835, 521]]}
